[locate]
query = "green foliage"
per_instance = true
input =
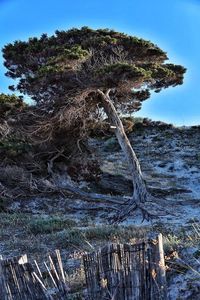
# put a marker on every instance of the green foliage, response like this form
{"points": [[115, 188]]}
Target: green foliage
{"points": [[61, 63], [161, 72], [10, 104], [137, 120], [14, 146], [75, 52], [120, 69], [48, 69], [70, 63], [102, 232], [11, 99], [69, 237], [83, 237], [101, 41], [50, 225]]}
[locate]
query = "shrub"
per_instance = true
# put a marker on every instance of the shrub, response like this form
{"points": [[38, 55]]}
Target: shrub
{"points": [[50, 225]]}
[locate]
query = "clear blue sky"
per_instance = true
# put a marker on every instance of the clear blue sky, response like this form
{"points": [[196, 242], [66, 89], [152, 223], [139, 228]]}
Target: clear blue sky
{"points": [[172, 24]]}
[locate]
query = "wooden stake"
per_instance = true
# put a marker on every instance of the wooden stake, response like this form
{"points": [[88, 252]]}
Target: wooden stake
{"points": [[161, 268]]}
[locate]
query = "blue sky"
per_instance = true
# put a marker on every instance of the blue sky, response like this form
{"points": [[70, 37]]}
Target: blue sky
{"points": [[172, 24]]}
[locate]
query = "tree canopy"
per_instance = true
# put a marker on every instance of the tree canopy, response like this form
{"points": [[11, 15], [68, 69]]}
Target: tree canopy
{"points": [[73, 64]]}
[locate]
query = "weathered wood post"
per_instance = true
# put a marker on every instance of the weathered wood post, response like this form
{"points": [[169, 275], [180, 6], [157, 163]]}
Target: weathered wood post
{"points": [[157, 267], [161, 269]]}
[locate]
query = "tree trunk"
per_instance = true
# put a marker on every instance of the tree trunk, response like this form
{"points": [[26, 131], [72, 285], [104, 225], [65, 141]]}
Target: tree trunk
{"points": [[140, 192]]}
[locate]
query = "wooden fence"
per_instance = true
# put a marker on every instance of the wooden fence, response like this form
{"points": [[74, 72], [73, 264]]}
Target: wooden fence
{"points": [[116, 272], [19, 280], [127, 272]]}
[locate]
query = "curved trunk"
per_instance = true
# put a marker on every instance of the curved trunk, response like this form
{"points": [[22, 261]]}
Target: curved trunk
{"points": [[140, 192]]}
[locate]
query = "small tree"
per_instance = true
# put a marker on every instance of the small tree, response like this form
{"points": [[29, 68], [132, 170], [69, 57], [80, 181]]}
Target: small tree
{"points": [[89, 72]]}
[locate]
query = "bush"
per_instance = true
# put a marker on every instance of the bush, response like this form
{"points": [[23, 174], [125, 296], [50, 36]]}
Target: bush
{"points": [[50, 225], [10, 103], [13, 146]]}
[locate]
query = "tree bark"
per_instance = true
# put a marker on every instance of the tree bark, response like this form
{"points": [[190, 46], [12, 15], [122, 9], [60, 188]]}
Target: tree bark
{"points": [[140, 193]]}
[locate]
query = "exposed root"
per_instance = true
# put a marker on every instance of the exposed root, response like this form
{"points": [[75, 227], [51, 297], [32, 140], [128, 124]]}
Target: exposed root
{"points": [[123, 215], [93, 208], [149, 210], [89, 197]]}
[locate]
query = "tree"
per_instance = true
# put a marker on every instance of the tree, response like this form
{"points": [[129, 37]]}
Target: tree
{"points": [[86, 72]]}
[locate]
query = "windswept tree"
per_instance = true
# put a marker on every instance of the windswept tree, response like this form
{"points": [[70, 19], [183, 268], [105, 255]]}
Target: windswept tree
{"points": [[84, 73]]}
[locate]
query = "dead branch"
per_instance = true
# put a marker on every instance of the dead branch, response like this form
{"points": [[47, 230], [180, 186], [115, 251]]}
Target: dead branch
{"points": [[50, 163], [4, 129], [89, 196]]}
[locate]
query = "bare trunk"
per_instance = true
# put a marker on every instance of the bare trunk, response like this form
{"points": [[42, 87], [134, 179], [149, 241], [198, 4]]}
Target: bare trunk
{"points": [[140, 192]]}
